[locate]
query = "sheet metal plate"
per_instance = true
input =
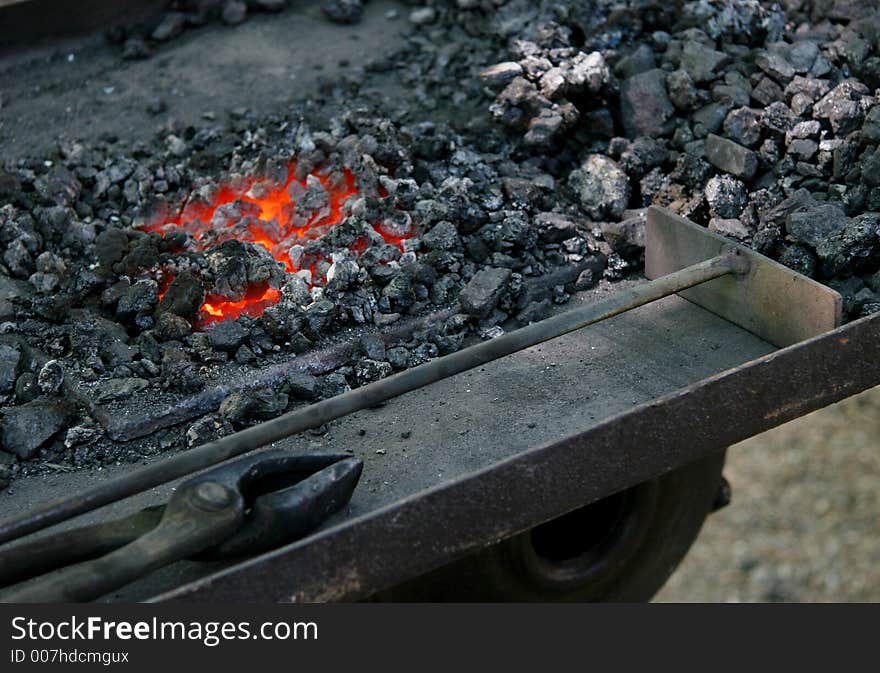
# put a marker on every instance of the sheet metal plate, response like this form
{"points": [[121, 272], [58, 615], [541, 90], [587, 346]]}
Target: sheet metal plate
{"points": [[772, 301]]}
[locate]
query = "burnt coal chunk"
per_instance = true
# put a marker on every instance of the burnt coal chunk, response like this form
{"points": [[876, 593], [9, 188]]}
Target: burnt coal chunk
{"points": [[332, 384], [252, 405], [28, 427], [26, 388], [171, 327], [813, 224], [853, 249], [10, 366], [139, 299], [111, 246], [483, 291], [227, 335], [184, 297], [373, 346], [367, 370]]}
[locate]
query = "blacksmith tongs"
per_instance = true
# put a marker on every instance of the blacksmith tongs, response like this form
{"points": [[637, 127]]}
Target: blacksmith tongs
{"points": [[244, 507]]}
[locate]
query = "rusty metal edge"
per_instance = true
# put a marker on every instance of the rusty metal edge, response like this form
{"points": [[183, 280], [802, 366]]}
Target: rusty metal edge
{"points": [[381, 548]]}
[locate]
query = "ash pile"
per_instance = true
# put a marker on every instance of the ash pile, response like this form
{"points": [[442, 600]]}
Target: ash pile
{"points": [[515, 172]]}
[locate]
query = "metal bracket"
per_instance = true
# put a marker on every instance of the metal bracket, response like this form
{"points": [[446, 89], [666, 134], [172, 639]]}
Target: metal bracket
{"points": [[770, 300]]}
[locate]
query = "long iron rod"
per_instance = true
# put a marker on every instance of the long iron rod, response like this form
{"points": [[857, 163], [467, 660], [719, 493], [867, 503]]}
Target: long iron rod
{"points": [[367, 396]]}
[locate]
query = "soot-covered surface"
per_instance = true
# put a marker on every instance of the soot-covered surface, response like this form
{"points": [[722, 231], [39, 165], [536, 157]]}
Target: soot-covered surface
{"points": [[181, 204]]}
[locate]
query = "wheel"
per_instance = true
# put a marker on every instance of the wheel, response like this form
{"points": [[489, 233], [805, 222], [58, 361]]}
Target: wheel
{"points": [[622, 548]]}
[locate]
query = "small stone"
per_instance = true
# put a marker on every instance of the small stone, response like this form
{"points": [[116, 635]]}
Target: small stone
{"points": [[767, 91], [554, 228], [51, 377], [731, 157], [368, 370], [233, 12], [184, 296], [802, 55], [333, 384], [398, 357], [777, 117], [26, 388], [483, 291]]}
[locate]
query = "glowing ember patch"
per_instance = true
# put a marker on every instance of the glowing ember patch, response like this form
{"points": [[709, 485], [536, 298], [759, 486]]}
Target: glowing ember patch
{"points": [[273, 215], [253, 305]]}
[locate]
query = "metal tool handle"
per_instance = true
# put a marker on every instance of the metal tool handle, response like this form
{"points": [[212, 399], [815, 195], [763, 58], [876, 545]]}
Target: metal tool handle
{"points": [[195, 518]]}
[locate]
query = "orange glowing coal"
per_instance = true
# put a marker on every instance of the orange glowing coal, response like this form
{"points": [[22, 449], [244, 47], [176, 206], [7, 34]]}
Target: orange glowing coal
{"points": [[275, 215]]}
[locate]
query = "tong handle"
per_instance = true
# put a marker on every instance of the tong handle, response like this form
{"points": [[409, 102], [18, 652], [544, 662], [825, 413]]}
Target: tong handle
{"points": [[197, 516]]}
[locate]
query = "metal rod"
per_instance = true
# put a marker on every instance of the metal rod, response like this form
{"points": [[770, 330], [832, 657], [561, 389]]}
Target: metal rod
{"points": [[368, 396]]}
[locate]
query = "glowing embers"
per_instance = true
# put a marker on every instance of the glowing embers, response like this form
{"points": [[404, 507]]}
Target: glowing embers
{"points": [[279, 214]]}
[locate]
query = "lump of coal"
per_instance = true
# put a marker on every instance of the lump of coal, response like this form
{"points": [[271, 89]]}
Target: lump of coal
{"points": [[51, 377], [140, 299], [682, 92], [333, 384], [28, 427], [727, 197], [851, 249], [227, 335], [730, 157], [207, 429], [844, 106], [601, 186], [119, 389], [483, 291], [534, 312], [184, 297], [10, 361], [259, 404], [811, 225], [626, 238], [644, 104], [367, 370], [171, 327]]}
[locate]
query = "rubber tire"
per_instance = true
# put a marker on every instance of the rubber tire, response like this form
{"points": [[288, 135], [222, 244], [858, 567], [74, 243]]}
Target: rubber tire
{"points": [[654, 527]]}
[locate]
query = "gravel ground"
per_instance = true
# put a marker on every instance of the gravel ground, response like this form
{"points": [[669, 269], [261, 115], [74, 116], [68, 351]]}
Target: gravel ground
{"points": [[804, 523]]}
